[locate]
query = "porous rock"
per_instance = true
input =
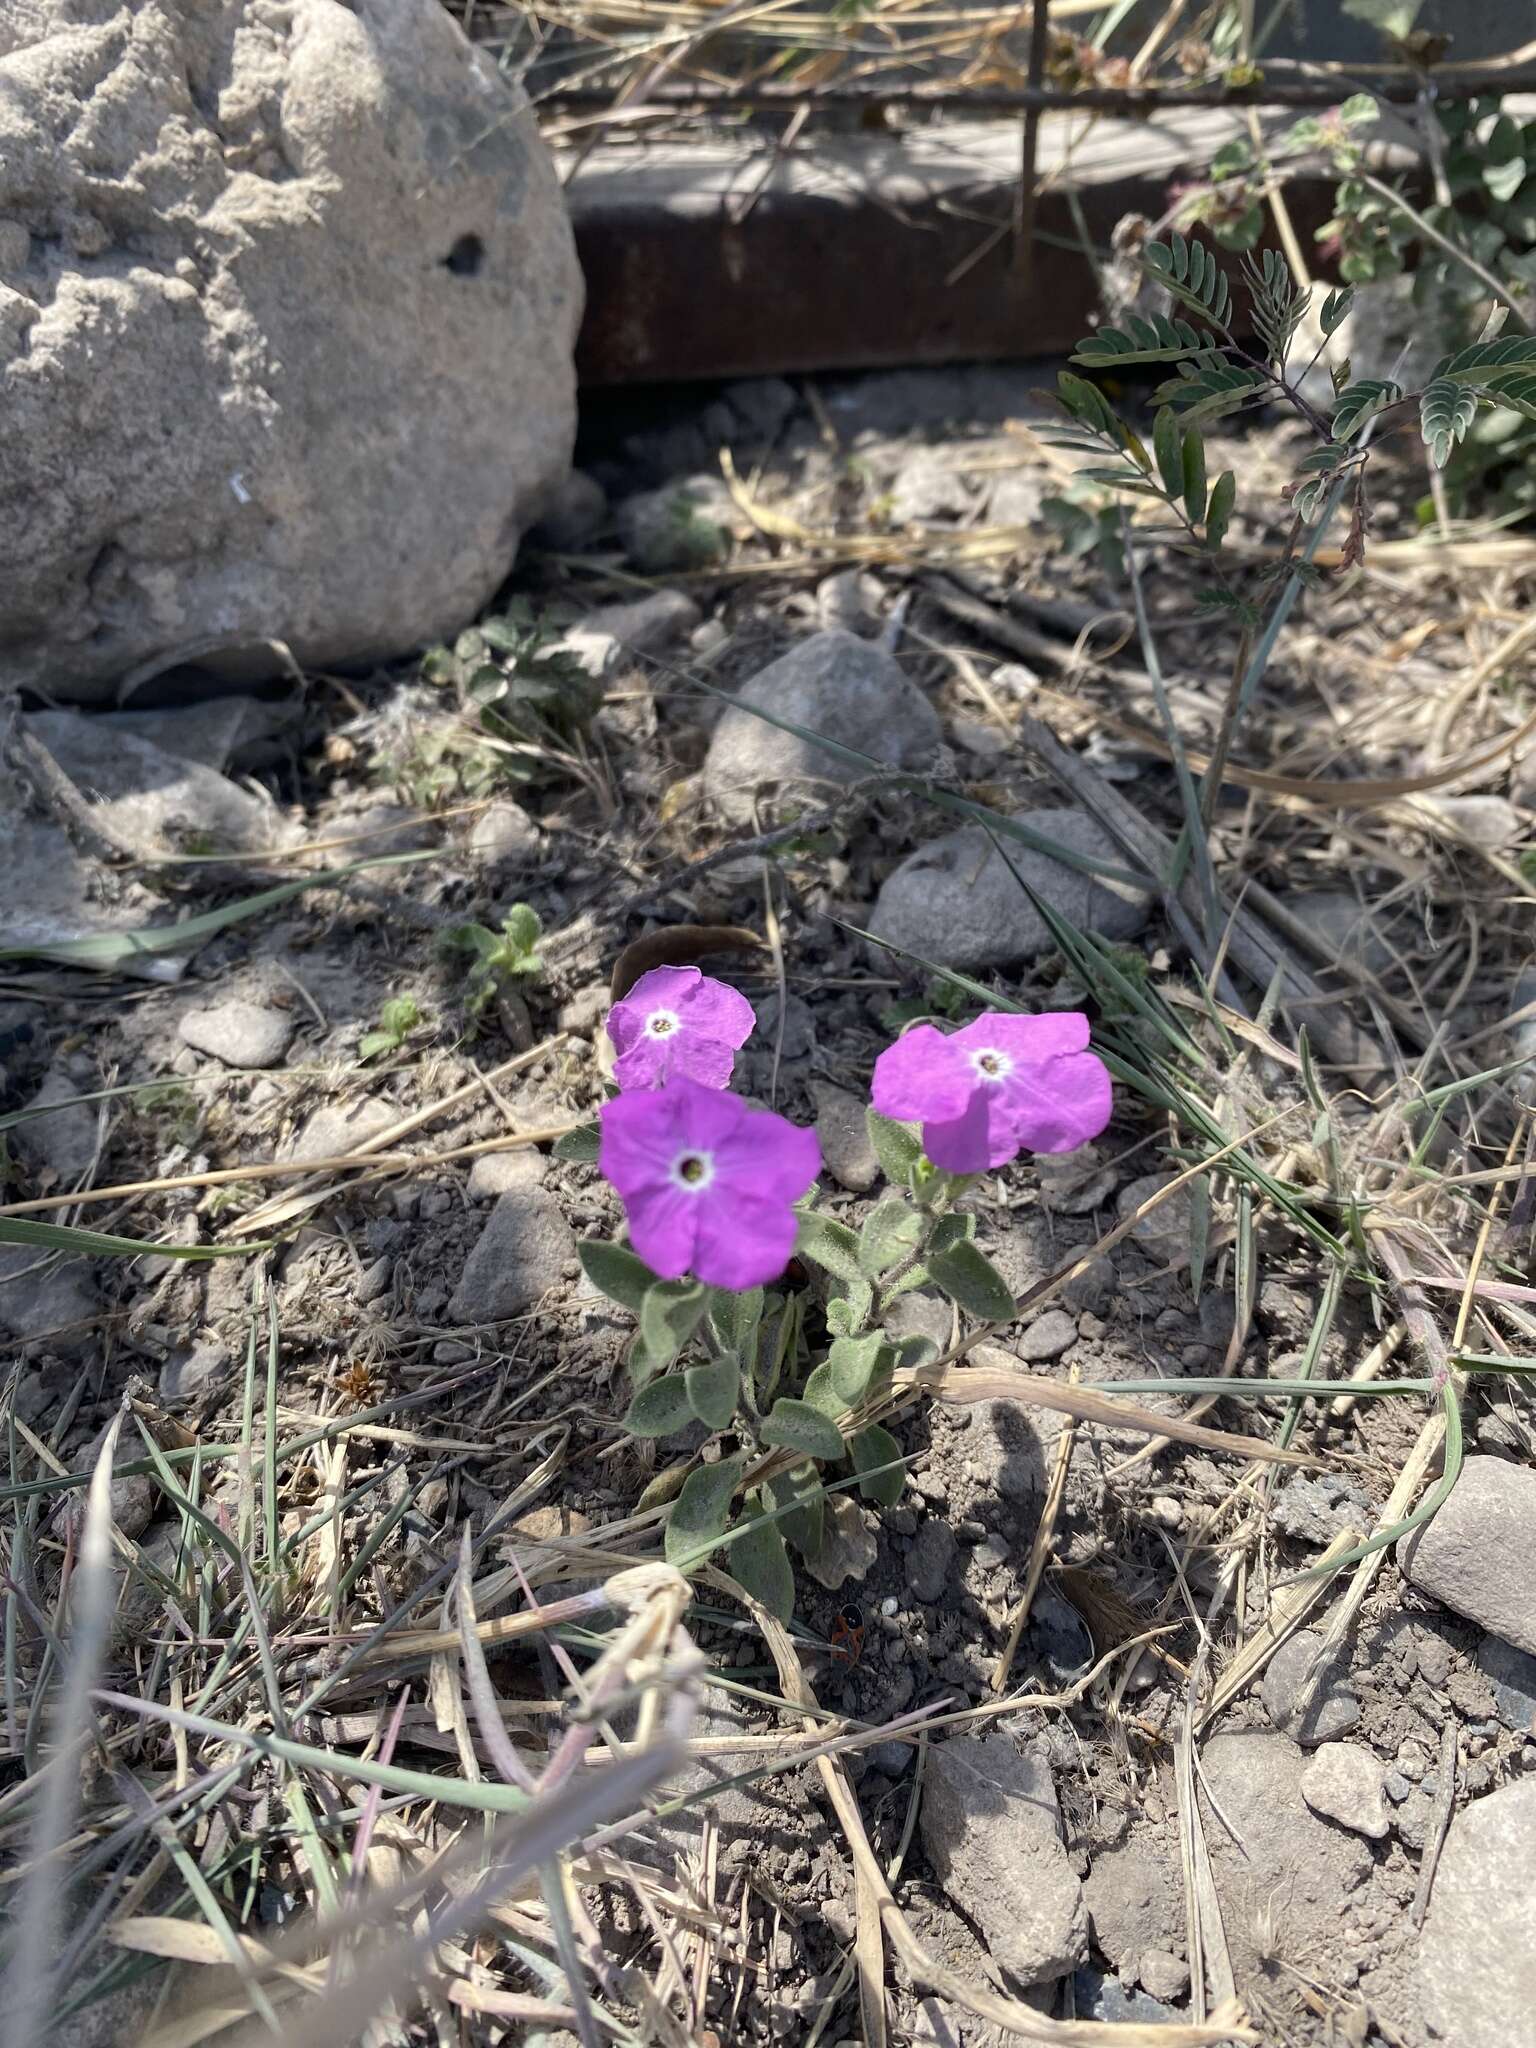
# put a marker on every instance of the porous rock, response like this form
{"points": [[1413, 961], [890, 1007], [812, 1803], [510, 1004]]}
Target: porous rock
{"points": [[832, 684], [521, 1253], [306, 273], [1477, 1957], [493, 1173], [957, 902], [340, 1128], [1343, 1782], [991, 1829], [1478, 1555]]}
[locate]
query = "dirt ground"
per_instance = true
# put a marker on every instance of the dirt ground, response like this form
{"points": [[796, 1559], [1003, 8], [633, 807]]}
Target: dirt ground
{"points": [[921, 512]]}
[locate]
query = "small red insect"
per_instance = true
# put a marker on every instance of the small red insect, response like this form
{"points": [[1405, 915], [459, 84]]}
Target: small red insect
{"points": [[847, 1638]]}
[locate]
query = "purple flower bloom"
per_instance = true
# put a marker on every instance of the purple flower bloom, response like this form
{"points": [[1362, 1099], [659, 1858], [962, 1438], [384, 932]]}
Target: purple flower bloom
{"points": [[1003, 1085], [674, 1021], [707, 1183]]}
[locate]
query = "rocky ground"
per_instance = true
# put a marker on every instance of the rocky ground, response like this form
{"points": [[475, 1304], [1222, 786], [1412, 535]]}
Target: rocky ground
{"points": [[899, 565]]}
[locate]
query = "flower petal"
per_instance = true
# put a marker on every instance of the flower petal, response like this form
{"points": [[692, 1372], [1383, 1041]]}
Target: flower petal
{"points": [[714, 1010], [742, 1241], [664, 1224], [768, 1158], [709, 1061], [920, 1078], [641, 1135], [1059, 1105], [1045, 1037], [664, 988], [644, 1065], [968, 1143]]}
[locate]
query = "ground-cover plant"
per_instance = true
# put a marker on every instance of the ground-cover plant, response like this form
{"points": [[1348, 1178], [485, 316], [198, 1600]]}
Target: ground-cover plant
{"points": [[398, 1018], [734, 1333], [498, 963]]}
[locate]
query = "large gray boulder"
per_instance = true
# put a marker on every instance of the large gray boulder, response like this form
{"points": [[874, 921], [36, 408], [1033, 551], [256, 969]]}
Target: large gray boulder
{"points": [[287, 305]]}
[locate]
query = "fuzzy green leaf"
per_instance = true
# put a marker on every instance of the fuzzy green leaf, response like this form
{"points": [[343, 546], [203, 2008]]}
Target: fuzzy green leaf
{"points": [[1158, 340], [1446, 410], [852, 1363], [870, 1447], [737, 1317], [892, 1231], [798, 1426], [1166, 448], [968, 1277], [1194, 476], [580, 1145], [701, 1511], [898, 1147], [1210, 393], [616, 1272], [822, 1395], [829, 1245], [661, 1407], [1335, 309], [1361, 401], [800, 1494], [760, 1562], [712, 1391], [669, 1315]]}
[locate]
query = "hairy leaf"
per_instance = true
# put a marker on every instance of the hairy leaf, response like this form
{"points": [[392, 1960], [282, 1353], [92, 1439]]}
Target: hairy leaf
{"points": [[892, 1231], [800, 1493], [798, 1426], [852, 1363], [701, 1511], [616, 1272], [898, 1147], [712, 1391], [669, 1315], [970, 1278], [870, 1447], [758, 1559], [580, 1145], [736, 1317], [661, 1407], [829, 1245]]}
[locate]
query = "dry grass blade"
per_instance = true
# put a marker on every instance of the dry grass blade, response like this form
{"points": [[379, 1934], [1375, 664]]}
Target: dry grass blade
{"points": [[28, 1982]]}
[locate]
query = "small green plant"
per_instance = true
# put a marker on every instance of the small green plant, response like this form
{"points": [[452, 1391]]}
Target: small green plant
{"points": [[526, 700], [777, 1369], [397, 1019], [498, 960]]}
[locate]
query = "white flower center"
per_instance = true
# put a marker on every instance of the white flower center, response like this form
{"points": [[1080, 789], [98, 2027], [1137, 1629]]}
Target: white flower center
{"points": [[662, 1023], [692, 1172], [990, 1066]]}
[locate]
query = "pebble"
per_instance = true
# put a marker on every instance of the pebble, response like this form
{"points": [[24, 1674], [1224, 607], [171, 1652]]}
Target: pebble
{"points": [[1485, 820], [1348, 925], [1165, 1233], [849, 602], [504, 833], [1165, 1976], [991, 1830], [615, 635], [373, 1281], [340, 1128], [1093, 1290], [1333, 1708], [1477, 1958], [1396, 1787], [58, 1304], [239, 1033], [187, 1375], [1478, 1555], [933, 1562], [958, 903], [1315, 1509], [843, 1129], [494, 1173], [893, 1758], [1047, 1337], [833, 684], [684, 525], [519, 1256], [1099, 1996], [1344, 1782], [927, 488]]}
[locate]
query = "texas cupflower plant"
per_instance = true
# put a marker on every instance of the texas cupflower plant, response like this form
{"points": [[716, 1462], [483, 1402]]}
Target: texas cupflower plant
{"points": [[720, 1198]]}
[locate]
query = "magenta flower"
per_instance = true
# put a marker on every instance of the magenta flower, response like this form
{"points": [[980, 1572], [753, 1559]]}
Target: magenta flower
{"points": [[1003, 1085], [707, 1184], [676, 1020]]}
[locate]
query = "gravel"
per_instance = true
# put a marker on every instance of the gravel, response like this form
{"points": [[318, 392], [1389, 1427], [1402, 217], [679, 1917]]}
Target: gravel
{"points": [[1478, 1555], [991, 1829], [239, 1033], [1047, 1337]]}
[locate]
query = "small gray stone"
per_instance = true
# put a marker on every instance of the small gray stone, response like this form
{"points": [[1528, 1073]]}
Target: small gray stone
{"points": [[494, 1173], [991, 1830], [1101, 1997], [1016, 498], [337, 1130], [1512, 1674], [573, 512], [374, 1280], [40, 1300], [1484, 820], [928, 488], [1344, 1782], [1477, 1955], [618, 633], [834, 685], [893, 1758], [1315, 1510], [1165, 1976], [1332, 1709], [1132, 1895], [240, 1034], [1396, 1787], [958, 902], [1165, 1233], [504, 834], [849, 602], [920, 1315], [684, 525], [843, 1129], [62, 1143], [799, 1040], [933, 1562], [1093, 1290], [1478, 1555], [188, 1375], [1047, 1337], [519, 1256]]}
